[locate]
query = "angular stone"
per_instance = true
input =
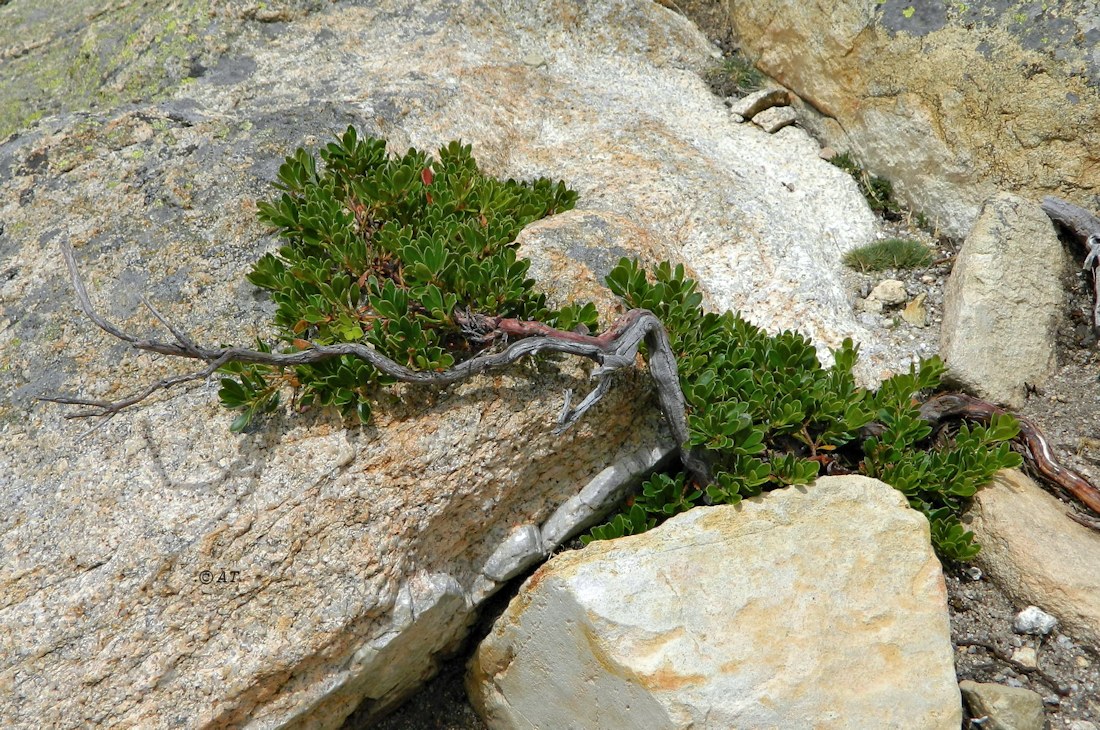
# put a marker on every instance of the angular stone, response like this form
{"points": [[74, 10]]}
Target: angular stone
{"points": [[915, 313], [1006, 708], [756, 102], [1026, 656], [773, 119], [890, 292], [734, 617], [1002, 301], [1036, 553]]}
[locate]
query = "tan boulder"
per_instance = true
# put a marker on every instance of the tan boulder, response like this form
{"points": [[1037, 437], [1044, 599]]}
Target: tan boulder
{"points": [[1004, 708], [1037, 554], [1003, 301], [950, 101]]}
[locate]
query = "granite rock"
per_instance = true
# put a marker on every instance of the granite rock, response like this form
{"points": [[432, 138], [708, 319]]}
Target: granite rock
{"points": [[1036, 553], [1004, 708], [162, 570], [734, 617], [950, 101]]}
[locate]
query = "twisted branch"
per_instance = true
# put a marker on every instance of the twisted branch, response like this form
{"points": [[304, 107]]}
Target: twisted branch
{"points": [[1036, 449], [617, 348]]}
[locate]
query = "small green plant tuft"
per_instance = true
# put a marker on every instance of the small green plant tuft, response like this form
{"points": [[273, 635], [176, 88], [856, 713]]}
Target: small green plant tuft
{"points": [[767, 414], [736, 76], [878, 191], [891, 253], [382, 250]]}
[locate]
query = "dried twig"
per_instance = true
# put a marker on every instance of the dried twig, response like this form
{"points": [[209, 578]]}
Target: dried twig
{"points": [[1036, 448], [1085, 227], [617, 348], [1005, 657]]}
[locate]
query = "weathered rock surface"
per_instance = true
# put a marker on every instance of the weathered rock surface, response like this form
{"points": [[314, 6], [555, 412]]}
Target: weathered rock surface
{"points": [[1003, 300], [1037, 554], [773, 119], [80, 54], [1005, 708], [951, 101], [733, 617], [161, 570]]}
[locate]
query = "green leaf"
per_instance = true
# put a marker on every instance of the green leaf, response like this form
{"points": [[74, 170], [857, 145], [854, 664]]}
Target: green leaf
{"points": [[232, 393], [352, 333], [240, 423]]}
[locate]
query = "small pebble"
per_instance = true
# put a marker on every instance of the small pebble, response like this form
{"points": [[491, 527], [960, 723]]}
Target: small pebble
{"points": [[928, 279], [1082, 662], [915, 312], [1035, 621], [972, 572], [890, 291], [873, 306], [1026, 656]]}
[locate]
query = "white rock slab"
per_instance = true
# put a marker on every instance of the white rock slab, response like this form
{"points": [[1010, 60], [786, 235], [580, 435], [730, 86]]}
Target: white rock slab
{"points": [[773, 119], [756, 102], [808, 607]]}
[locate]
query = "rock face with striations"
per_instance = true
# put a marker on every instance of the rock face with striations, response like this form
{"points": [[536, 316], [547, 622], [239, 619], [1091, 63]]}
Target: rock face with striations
{"points": [[951, 101], [160, 570], [821, 606]]}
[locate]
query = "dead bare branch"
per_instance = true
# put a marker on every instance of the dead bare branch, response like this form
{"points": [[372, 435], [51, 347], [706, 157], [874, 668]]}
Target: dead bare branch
{"points": [[1036, 448], [615, 349], [1085, 227]]}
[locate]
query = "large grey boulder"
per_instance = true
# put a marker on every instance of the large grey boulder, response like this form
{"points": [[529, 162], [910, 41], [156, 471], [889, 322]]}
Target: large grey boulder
{"points": [[161, 570], [1003, 300], [951, 101], [805, 607]]}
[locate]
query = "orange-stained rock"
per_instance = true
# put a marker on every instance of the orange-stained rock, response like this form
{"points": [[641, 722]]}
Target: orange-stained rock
{"points": [[951, 101]]}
